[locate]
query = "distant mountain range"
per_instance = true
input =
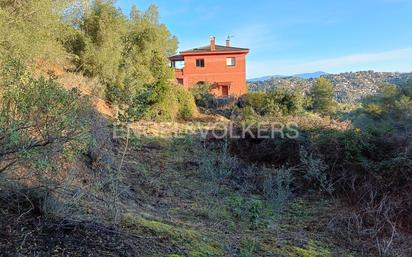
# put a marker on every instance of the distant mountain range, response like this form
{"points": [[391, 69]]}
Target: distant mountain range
{"points": [[312, 75], [349, 86]]}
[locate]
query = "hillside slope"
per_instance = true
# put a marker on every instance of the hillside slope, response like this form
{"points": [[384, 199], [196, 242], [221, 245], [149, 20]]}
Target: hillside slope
{"points": [[349, 87], [172, 196]]}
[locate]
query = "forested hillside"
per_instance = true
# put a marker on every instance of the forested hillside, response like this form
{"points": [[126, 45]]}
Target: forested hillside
{"points": [[349, 87]]}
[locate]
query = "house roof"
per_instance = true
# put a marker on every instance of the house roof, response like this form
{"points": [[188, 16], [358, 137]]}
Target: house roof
{"points": [[219, 48], [177, 58]]}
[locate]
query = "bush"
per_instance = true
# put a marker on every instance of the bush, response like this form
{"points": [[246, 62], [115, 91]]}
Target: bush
{"points": [[162, 102], [277, 188], [38, 119], [278, 102], [255, 101], [124, 52], [367, 163], [202, 95], [218, 166], [407, 88], [315, 172], [187, 105]]}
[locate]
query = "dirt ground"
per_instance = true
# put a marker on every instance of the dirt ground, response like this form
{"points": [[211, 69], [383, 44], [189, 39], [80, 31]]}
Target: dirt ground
{"points": [[178, 197]]}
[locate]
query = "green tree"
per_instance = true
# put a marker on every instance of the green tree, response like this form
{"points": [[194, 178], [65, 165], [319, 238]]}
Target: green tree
{"points": [[125, 53], [128, 55], [31, 29], [104, 27], [323, 98], [147, 47]]}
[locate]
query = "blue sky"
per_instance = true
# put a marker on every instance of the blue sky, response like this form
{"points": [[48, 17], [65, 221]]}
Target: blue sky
{"points": [[297, 36]]}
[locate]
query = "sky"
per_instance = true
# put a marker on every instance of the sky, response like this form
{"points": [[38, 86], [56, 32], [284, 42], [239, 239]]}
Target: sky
{"points": [[296, 36]]}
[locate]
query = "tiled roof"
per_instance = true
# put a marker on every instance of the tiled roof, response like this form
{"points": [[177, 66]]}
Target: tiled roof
{"points": [[219, 48]]}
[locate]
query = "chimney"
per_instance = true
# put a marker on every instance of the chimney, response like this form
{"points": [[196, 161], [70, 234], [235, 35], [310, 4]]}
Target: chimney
{"points": [[212, 43], [228, 42]]}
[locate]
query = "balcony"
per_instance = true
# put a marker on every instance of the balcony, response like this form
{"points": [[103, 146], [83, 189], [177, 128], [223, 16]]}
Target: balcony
{"points": [[178, 63], [179, 73]]}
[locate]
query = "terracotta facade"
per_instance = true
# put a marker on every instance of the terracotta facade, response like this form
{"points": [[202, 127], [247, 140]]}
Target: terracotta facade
{"points": [[224, 67]]}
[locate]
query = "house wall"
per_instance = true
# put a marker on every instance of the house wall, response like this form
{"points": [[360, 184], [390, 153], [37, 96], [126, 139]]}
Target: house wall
{"points": [[216, 71]]}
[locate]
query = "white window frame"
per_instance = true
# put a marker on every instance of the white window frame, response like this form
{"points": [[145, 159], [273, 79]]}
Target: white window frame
{"points": [[231, 61]]}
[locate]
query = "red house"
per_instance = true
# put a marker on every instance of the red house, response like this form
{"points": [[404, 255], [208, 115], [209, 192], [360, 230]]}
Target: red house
{"points": [[222, 66]]}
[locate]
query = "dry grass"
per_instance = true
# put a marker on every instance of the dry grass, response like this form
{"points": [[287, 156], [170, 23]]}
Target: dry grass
{"points": [[177, 197]]}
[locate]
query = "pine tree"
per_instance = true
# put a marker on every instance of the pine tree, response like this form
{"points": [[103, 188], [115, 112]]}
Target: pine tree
{"points": [[322, 94]]}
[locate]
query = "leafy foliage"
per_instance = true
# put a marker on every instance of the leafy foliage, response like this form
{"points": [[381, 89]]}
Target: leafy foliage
{"points": [[368, 164], [104, 27], [31, 29], [278, 102], [38, 119], [322, 94], [162, 102], [125, 53], [128, 55], [187, 104], [202, 95]]}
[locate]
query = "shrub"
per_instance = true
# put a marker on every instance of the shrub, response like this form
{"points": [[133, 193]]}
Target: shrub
{"points": [[315, 172], [202, 95], [124, 52], [285, 102], [187, 105], [38, 119], [407, 88], [217, 166], [277, 188], [162, 102], [393, 102], [366, 161], [275, 103], [255, 100]]}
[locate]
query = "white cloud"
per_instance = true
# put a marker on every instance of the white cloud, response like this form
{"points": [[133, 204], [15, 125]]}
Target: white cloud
{"points": [[397, 59]]}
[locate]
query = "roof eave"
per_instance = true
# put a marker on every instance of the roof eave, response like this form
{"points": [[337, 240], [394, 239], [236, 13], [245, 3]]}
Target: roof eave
{"points": [[245, 51], [178, 57]]}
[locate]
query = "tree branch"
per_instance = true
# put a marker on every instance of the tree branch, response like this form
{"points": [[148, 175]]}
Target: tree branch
{"points": [[42, 144], [7, 166]]}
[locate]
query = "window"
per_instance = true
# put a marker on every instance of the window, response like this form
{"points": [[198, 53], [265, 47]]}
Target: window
{"points": [[200, 63], [231, 61]]}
